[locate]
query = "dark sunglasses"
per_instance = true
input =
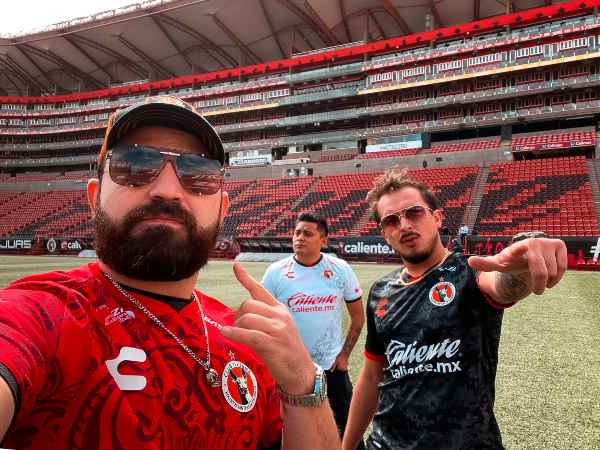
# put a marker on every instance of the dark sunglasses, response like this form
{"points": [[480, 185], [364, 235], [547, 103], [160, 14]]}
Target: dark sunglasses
{"points": [[411, 213], [137, 165]]}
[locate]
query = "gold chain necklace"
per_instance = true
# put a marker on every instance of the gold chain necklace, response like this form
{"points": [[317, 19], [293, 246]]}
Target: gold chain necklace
{"points": [[424, 274], [211, 376]]}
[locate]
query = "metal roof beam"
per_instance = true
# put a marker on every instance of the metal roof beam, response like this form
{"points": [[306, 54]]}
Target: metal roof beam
{"points": [[88, 56], [304, 38], [159, 68], [209, 46], [140, 71], [253, 58], [476, 9], [308, 20], [377, 24], [19, 76], [393, 12], [321, 25], [436, 15], [34, 64], [77, 74], [273, 32], [344, 21], [176, 46], [11, 81], [25, 77]]}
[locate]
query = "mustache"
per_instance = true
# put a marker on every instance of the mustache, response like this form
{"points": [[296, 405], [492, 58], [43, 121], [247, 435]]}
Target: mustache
{"points": [[159, 207]]}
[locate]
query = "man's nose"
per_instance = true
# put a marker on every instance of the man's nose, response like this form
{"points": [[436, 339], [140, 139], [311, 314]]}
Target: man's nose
{"points": [[167, 184]]}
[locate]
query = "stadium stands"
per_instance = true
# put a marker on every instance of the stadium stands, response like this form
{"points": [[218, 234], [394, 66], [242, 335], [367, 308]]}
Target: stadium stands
{"points": [[463, 146], [537, 76], [551, 195]]}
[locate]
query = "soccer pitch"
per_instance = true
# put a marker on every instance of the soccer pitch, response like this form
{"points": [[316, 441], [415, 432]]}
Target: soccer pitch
{"points": [[548, 381]]}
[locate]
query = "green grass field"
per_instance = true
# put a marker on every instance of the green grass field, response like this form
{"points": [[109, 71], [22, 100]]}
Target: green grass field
{"points": [[548, 383]]}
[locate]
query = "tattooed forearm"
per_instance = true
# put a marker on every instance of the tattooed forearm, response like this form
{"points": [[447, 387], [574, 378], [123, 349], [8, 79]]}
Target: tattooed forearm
{"points": [[351, 339], [511, 288]]}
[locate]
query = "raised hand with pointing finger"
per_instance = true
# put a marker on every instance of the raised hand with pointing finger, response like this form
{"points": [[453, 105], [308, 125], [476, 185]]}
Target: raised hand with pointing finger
{"points": [[527, 266], [267, 327]]}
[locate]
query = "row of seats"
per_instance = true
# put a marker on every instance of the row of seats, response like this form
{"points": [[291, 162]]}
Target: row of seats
{"points": [[464, 146], [555, 140]]}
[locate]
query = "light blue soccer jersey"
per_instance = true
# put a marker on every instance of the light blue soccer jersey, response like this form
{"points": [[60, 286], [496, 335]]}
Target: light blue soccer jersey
{"points": [[315, 296]]}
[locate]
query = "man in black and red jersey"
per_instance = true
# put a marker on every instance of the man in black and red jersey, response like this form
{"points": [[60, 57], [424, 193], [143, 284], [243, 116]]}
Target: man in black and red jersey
{"points": [[433, 327], [125, 352]]}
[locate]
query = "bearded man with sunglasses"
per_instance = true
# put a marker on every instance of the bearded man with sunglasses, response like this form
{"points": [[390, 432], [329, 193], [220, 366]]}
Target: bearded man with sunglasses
{"points": [[433, 327], [125, 352]]}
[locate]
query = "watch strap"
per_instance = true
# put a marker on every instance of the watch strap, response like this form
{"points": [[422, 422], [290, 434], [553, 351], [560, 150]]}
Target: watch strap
{"points": [[314, 399]]}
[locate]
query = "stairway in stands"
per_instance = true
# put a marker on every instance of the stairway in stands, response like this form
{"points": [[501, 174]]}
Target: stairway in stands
{"points": [[472, 209], [594, 171], [291, 213]]}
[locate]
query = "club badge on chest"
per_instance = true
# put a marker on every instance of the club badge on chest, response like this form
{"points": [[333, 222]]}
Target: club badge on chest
{"points": [[239, 386]]}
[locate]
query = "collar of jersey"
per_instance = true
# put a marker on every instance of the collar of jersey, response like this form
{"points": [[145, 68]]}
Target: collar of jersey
{"points": [[423, 275], [312, 265]]}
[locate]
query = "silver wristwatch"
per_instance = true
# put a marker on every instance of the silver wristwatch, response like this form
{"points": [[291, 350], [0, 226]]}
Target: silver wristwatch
{"points": [[316, 398]]}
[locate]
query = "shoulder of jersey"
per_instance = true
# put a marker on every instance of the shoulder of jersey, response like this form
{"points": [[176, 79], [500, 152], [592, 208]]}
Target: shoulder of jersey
{"points": [[334, 260], [217, 310]]}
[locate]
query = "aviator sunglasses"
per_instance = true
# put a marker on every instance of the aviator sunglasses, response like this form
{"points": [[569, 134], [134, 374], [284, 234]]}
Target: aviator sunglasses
{"points": [[135, 165], [411, 213]]}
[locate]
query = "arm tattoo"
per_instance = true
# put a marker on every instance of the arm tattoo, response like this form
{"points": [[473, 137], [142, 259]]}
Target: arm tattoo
{"points": [[511, 287], [351, 339]]}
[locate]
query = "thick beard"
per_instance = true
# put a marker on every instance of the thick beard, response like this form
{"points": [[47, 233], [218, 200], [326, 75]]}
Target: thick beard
{"points": [[419, 257], [157, 253]]}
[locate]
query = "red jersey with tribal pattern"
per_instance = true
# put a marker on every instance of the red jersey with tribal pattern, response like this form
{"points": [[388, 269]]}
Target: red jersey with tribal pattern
{"points": [[91, 371]]}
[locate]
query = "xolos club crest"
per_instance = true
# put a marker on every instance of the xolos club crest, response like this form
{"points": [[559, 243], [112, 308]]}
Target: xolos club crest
{"points": [[442, 293], [239, 386]]}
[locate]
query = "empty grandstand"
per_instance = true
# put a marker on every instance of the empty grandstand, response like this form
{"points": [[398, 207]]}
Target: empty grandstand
{"points": [[499, 114]]}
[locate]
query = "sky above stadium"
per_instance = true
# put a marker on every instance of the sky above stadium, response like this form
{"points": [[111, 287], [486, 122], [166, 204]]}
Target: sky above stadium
{"points": [[27, 15]]}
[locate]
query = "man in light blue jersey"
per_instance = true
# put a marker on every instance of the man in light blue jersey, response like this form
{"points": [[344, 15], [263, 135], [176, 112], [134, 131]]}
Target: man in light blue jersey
{"points": [[315, 286]]}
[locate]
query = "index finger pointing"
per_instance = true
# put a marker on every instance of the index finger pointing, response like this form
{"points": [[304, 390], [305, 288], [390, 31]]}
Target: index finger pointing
{"points": [[254, 288]]}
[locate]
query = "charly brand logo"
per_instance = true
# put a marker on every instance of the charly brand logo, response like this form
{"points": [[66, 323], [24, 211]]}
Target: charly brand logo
{"points": [[301, 302], [442, 293], [415, 359], [239, 386], [382, 306], [127, 382]]}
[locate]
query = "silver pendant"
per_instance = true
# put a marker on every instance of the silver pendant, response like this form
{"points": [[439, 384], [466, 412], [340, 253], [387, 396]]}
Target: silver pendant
{"points": [[212, 378]]}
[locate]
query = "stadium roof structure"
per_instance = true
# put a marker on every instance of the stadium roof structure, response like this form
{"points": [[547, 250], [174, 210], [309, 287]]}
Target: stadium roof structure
{"points": [[163, 39]]}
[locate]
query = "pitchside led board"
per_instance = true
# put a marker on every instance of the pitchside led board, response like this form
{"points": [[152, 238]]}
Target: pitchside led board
{"points": [[580, 250]]}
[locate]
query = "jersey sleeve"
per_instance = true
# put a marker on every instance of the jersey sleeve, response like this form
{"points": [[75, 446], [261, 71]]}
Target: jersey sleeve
{"points": [[488, 299], [352, 289], [374, 348], [30, 324]]}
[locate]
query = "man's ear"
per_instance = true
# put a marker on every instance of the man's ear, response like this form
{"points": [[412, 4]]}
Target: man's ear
{"points": [[324, 240], [438, 215], [224, 206], [93, 189]]}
